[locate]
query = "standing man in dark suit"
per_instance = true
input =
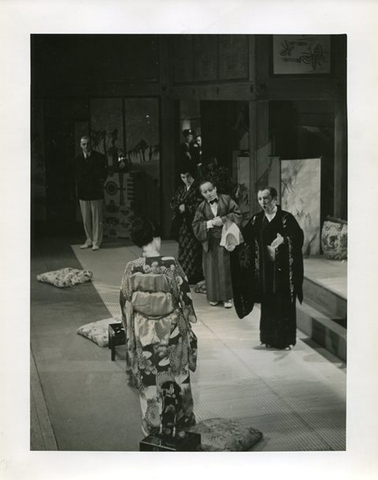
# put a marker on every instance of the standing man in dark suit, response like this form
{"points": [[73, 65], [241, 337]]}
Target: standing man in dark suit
{"points": [[91, 173]]}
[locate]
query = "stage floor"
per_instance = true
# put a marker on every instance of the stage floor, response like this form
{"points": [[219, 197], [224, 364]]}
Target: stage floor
{"points": [[296, 398]]}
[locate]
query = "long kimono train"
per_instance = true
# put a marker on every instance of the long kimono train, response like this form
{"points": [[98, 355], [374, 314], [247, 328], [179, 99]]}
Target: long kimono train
{"points": [[216, 259], [189, 248], [274, 283], [157, 313]]}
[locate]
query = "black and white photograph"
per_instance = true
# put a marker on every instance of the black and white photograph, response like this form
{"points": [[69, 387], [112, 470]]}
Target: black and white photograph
{"points": [[197, 264], [132, 138]]}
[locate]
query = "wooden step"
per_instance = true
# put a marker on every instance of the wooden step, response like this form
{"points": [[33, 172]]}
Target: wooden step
{"points": [[322, 329], [323, 299]]}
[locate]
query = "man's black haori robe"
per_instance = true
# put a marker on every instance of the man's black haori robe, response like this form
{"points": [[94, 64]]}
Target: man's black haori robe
{"points": [[274, 283]]}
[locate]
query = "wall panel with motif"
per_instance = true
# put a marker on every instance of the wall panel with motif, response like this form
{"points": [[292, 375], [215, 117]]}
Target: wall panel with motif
{"points": [[143, 151], [300, 191], [233, 57]]}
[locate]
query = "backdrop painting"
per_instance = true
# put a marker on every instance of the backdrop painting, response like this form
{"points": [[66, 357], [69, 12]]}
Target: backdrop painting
{"points": [[300, 194], [301, 54]]}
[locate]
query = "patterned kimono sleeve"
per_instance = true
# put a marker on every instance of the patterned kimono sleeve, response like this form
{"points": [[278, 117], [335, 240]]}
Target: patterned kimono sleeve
{"points": [[176, 200], [125, 300], [234, 213], [293, 243], [184, 295], [177, 217], [193, 200], [199, 224]]}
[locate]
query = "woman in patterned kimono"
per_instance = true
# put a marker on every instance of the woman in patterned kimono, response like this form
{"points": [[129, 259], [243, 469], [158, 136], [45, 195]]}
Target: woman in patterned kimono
{"points": [[157, 312], [268, 269], [212, 213], [184, 205]]}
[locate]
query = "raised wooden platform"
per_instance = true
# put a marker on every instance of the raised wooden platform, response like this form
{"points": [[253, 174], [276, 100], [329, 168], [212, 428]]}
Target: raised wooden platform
{"points": [[323, 314]]}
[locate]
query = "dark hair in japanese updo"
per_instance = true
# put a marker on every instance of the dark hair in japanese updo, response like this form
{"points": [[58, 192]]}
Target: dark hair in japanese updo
{"points": [[187, 167], [143, 231]]}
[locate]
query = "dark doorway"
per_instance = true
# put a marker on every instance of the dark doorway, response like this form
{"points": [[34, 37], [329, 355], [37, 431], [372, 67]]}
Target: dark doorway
{"points": [[60, 176], [223, 125]]}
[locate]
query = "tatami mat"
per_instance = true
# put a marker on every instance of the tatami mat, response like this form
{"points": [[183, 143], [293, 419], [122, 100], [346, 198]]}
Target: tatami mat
{"points": [[296, 398]]}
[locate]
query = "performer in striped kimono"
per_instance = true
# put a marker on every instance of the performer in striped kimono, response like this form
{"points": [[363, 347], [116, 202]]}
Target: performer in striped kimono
{"points": [[212, 213]]}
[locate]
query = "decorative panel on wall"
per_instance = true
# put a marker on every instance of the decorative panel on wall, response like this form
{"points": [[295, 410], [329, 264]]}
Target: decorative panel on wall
{"points": [[182, 50], [143, 151], [300, 191], [106, 121], [301, 54], [268, 174], [106, 115], [205, 57], [130, 125], [233, 57], [119, 205]]}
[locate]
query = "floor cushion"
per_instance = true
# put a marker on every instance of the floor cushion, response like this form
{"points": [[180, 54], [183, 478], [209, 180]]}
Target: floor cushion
{"points": [[200, 287], [335, 239], [226, 435], [97, 332], [65, 277]]}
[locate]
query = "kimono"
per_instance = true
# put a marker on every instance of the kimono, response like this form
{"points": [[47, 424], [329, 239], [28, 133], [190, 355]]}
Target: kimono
{"points": [[189, 248], [157, 313], [216, 259], [273, 281]]}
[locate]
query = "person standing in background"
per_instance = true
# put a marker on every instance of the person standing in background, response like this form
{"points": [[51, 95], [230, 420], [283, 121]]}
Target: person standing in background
{"points": [[91, 173], [184, 205], [196, 154]]}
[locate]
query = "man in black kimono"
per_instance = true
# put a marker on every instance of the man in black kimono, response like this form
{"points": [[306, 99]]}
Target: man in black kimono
{"points": [[91, 173], [268, 269]]}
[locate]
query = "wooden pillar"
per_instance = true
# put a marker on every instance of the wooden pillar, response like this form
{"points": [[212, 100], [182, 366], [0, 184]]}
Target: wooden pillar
{"points": [[168, 134], [168, 137], [259, 145], [340, 173]]}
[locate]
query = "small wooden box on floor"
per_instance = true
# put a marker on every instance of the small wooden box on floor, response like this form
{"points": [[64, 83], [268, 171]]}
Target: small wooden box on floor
{"points": [[116, 337], [157, 443]]}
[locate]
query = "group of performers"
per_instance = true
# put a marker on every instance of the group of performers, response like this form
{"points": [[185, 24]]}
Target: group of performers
{"points": [[265, 266]]}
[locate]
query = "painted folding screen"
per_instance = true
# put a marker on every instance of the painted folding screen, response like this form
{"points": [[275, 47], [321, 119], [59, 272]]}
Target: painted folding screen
{"points": [[300, 195]]}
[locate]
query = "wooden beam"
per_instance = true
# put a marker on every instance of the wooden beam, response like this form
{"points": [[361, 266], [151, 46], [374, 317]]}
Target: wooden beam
{"points": [[168, 167], [340, 178]]}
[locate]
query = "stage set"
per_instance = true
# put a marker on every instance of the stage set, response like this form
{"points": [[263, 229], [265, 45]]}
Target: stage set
{"points": [[269, 110], [80, 397]]}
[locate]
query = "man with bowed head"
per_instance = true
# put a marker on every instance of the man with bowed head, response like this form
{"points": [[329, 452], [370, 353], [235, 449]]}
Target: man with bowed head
{"points": [[91, 173]]}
